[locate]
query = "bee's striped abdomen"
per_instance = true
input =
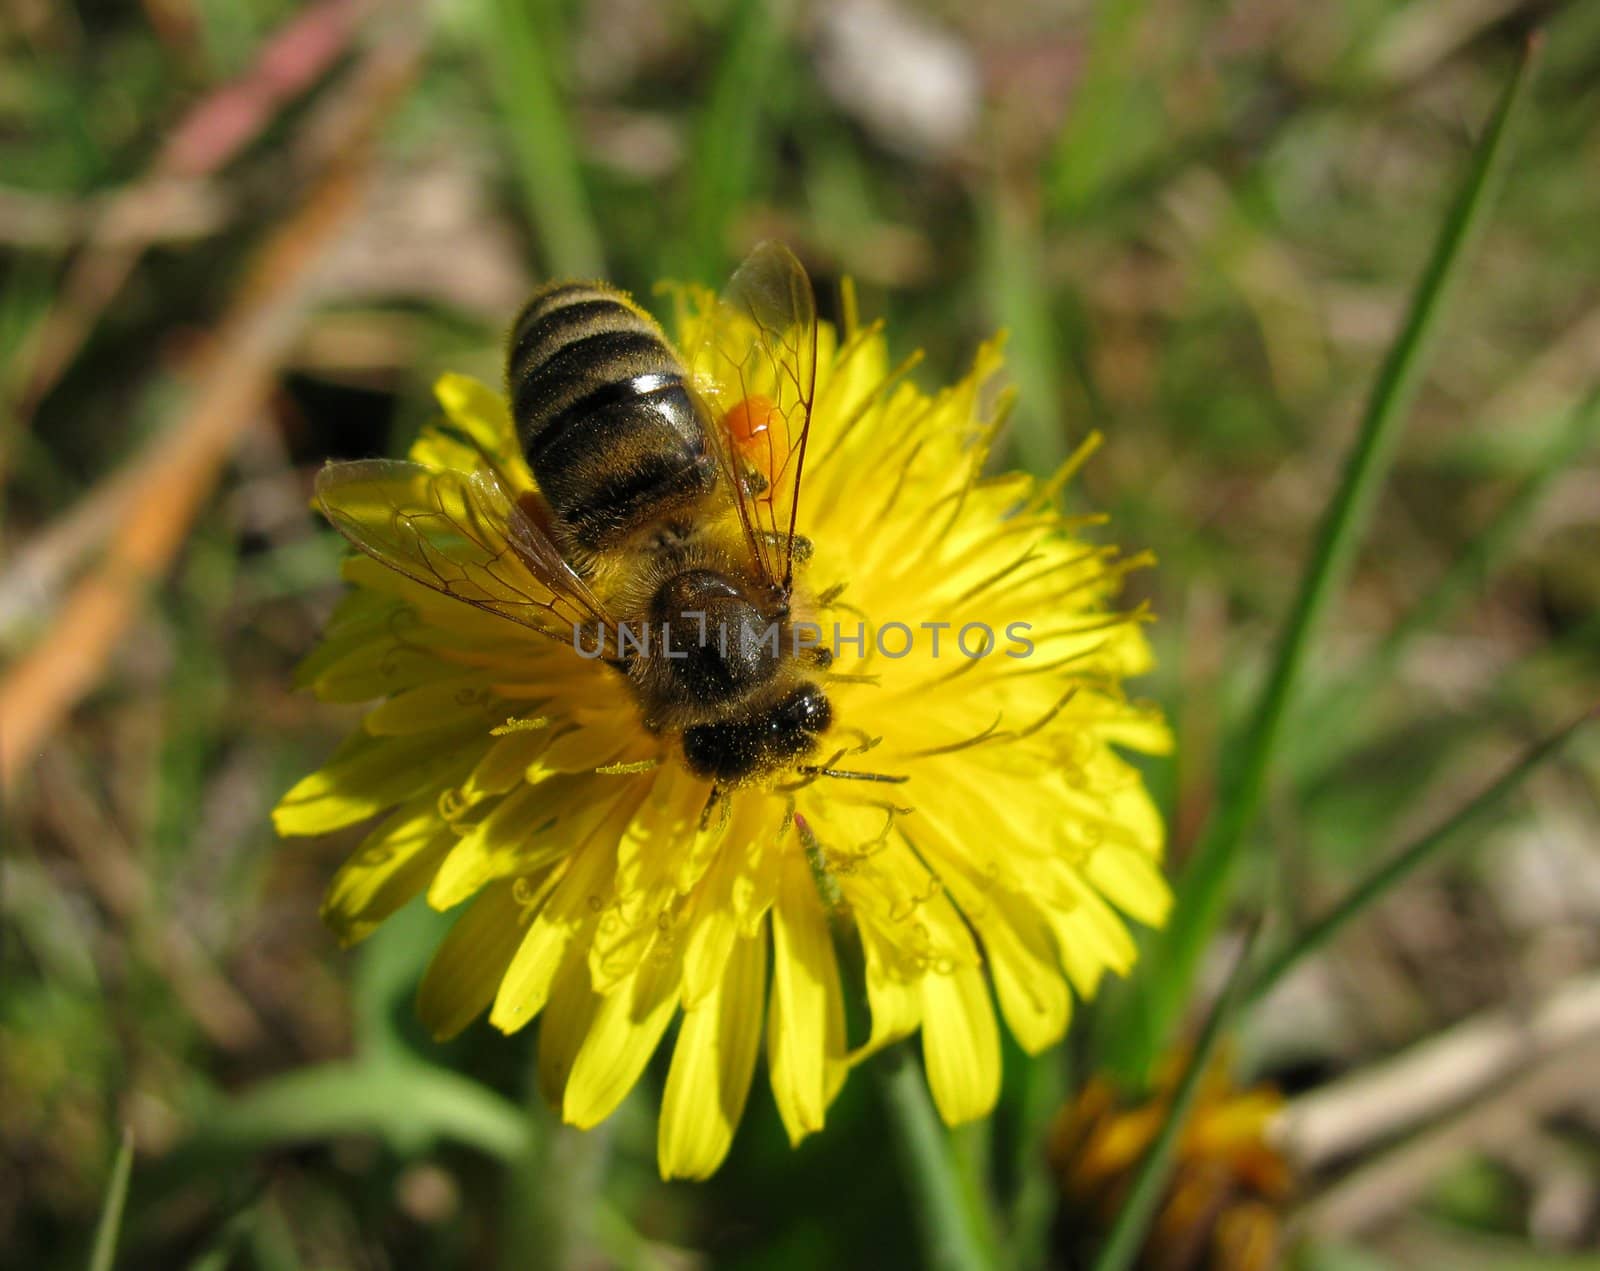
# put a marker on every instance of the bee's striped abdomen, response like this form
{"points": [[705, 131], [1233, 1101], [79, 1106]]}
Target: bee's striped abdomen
{"points": [[606, 422]]}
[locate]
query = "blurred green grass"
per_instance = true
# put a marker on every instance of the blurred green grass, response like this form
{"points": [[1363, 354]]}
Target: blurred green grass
{"points": [[1200, 227]]}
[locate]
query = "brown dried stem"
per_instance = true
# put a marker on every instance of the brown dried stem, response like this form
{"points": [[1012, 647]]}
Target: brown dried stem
{"points": [[253, 338], [1438, 1075], [1391, 1181]]}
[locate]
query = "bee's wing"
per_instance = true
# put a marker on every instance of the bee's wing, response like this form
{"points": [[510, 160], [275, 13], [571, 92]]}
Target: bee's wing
{"points": [[462, 535], [757, 368], [525, 522]]}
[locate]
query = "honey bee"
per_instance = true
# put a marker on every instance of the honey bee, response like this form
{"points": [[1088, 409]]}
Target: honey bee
{"points": [[662, 503]]}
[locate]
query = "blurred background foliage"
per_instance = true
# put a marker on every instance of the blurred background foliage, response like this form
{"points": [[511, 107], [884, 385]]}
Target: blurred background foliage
{"points": [[239, 237]]}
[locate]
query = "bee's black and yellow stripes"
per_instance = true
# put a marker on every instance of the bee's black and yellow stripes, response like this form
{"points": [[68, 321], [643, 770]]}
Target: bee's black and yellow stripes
{"points": [[613, 436]]}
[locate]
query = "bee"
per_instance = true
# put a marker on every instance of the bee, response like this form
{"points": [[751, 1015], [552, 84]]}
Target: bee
{"points": [[662, 503]]}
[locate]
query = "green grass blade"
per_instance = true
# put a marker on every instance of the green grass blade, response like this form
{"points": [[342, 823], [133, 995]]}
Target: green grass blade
{"points": [[1045, 1087], [1019, 298], [1144, 1197], [1466, 575], [24, 303], [1206, 885], [106, 1231], [1387, 876], [728, 146], [1112, 105], [517, 42], [955, 1228]]}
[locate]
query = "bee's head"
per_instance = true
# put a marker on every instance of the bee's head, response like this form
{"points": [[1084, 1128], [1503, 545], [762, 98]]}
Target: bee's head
{"points": [[760, 742]]}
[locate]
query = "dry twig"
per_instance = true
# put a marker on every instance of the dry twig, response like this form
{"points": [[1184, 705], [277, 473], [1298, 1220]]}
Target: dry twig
{"points": [[1443, 1072], [1392, 1181]]}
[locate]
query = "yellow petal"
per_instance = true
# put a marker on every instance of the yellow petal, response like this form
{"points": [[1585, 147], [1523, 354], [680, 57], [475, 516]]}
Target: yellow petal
{"points": [[481, 413], [696, 858], [369, 774], [461, 699], [502, 844], [501, 769], [893, 995], [375, 668], [530, 828], [362, 620], [393, 864], [714, 924], [1130, 807], [623, 1035], [545, 949], [1093, 923], [805, 991], [583, 750], [1026, 969], [565, 1024], [461, 979], [1084, 967], [648, 911], [756, 839], [443, 451], [1131, 882], [1142, 731], [712, 1064], [960, 1045]]}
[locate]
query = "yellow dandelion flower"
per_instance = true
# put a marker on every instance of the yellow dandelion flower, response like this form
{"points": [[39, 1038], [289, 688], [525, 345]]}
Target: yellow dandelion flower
{"points": [[977, 663], [1222, 1207]]}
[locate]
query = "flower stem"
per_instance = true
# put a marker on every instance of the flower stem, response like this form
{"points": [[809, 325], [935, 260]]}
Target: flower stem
{"points": [[552, 1193], [1133, 1221], [955, 1227], [1046, 1082]]}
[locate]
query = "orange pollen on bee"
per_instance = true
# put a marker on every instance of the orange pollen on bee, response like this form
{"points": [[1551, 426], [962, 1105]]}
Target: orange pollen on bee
{"points": [[750, 424]]}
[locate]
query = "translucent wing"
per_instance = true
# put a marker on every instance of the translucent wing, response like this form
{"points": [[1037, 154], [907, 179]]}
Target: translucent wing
{"points": [[464, 536], [757, 369], [525, 521]]}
